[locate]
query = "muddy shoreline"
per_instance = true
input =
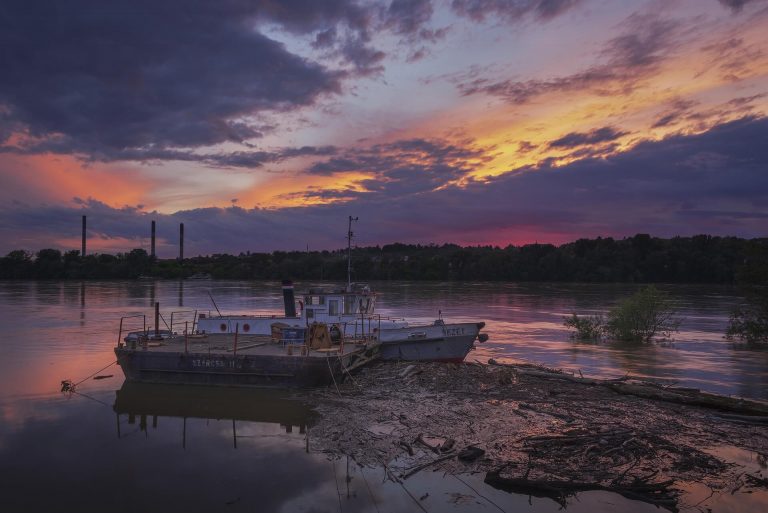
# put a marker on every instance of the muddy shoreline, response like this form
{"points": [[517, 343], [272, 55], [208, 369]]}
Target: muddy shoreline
{"points": [[543, 433]]}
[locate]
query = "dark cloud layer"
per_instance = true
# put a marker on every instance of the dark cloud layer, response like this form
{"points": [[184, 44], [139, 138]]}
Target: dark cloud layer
{"points": [[407, 166], [596, 136], [626, 59], [100, 77], [511, 10], [737, 5], [713, 183]]}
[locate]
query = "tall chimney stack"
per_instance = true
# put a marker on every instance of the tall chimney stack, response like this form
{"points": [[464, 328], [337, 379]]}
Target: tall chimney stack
{"points": [[181, 242], [153, 240], [82, 252]]}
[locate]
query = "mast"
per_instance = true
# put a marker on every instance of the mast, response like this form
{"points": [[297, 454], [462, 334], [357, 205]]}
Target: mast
{"points": [[349, 253]]}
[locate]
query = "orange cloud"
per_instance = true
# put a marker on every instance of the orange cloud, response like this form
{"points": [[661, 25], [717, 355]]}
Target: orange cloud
{"points": [[59, 178]]}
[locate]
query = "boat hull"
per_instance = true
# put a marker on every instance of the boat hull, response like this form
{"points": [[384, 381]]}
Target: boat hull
{"points": [[438, 343], [262, 371]]}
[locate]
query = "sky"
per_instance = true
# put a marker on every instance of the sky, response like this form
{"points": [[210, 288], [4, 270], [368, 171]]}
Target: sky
{"points": [[263, 124]]}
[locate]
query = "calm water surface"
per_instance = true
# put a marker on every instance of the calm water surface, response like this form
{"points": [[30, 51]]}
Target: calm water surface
{"points": [[114, 447]]}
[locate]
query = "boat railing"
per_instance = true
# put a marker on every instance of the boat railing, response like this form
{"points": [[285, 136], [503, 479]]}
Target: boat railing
{"points": [[182, 318], [143, 317], [244, 316]]}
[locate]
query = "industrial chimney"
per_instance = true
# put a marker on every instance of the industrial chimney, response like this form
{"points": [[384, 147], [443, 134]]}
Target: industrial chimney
{"points": [[181, 242], [82, 252], [153, 240]]}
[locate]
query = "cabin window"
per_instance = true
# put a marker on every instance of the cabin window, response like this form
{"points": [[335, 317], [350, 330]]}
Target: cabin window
{"points": [[349, 304], [315, 300], [310, 313], [333, 307]]}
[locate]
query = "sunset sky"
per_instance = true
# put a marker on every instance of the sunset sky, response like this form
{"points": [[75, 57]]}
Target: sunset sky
{"points": [[263, 124]]}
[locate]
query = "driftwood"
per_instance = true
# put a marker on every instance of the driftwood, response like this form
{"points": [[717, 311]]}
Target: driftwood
{"points": [[658, 494], [421, 467], [420, 440], [688, 396]]}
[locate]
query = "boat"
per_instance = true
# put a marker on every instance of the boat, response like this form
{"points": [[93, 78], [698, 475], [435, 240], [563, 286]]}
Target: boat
{"points": [[434, 342], [242, 360], [351, 311]]}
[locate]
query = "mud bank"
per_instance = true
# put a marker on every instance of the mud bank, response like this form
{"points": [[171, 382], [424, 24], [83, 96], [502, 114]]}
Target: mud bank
{"points": [[543, 433]]}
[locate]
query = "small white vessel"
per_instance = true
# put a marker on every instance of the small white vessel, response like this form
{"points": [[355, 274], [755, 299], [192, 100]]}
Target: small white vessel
{"points": [[351, 311]]}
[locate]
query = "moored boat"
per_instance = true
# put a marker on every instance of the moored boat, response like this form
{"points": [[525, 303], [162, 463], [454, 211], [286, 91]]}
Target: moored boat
{"points": [[434, 342], [239, 360]]}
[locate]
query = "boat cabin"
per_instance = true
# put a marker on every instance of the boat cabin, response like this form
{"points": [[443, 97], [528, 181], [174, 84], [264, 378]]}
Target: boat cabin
{"points": [[321, 304]]}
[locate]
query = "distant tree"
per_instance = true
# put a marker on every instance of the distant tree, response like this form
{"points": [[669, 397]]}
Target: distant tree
{"points": [[48, 264]]}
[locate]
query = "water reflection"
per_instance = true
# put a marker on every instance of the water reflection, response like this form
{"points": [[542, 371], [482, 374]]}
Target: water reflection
{"points": [[64, 330], [152, 400]]}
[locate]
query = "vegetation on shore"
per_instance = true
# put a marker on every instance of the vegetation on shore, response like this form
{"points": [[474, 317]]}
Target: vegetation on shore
{"points": [[647, 315], [638, 259], [749, 321]]}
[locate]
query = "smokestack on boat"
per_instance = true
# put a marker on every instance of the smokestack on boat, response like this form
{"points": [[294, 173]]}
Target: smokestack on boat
{"points": [[153, 240], [82, 253], [288, 299]]}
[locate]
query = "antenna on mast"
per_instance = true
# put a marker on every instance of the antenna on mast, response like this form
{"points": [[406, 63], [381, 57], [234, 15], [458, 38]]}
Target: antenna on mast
{"points": [[349, 252]]}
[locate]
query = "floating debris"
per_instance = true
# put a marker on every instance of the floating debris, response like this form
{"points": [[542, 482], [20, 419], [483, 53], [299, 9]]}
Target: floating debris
{"points": [[539, 431]]}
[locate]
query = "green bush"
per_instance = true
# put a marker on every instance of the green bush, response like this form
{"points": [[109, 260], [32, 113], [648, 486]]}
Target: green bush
{"points": [[586, 328], [646, 315], [749, 322]]}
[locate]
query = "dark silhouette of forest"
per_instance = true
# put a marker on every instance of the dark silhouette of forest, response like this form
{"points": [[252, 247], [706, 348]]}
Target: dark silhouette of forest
{"points": [[639, 259]]}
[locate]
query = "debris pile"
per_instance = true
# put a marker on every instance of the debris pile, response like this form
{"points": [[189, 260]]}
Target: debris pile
{"points": [[538, 431]]}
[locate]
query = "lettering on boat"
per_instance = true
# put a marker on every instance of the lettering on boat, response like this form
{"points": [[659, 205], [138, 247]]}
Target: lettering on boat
{"points": [[215, 363], [453, 332]]}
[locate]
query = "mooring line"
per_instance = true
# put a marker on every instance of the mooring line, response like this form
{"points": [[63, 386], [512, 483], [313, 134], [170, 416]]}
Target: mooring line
{"points": [[335, 480], [328, 361], [479, 494], [91, 398], [68, 386], [373, 500]]}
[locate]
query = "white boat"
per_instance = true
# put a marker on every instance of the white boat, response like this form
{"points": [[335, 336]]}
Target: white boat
{"points": [[351, 311]]}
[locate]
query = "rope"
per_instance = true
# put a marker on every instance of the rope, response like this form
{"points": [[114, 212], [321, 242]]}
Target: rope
{"points": [[68, 386], [92, 375], [335, 480], [328, 361], [480, 494], [345, 369], [373, 500]]}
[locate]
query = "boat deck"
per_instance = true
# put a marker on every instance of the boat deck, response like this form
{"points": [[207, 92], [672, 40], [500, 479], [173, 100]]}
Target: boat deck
{"points": [[247, 345]]}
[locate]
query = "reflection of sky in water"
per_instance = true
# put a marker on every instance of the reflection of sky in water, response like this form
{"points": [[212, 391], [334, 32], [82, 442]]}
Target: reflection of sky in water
{"points": [[59, 452], [79, 455], [55, 330]]}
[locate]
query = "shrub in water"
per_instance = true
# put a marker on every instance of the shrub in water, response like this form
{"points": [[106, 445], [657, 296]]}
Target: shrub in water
{"points": [[646, 315], [586, 328], [749, 322]]}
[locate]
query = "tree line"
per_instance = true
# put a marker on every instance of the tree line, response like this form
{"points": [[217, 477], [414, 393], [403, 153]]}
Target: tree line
{"points": [[637, 259]]}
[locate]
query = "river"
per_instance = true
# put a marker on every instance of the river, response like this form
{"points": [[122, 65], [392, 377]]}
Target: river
{"points": [[111, 447]]}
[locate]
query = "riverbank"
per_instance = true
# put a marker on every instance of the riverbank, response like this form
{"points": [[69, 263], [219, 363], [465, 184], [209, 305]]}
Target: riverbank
{"points": [[532, 430]]}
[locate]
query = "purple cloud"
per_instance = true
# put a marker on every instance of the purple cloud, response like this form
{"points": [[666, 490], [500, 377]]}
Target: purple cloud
{"points": [[102, 79], [596, 136], [713, 182], [512, 10], [635, 53]]}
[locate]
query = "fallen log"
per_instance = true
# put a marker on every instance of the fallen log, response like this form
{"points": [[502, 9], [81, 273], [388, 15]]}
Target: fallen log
{"points": [[421, 467], [685, 396], [658, 494]]}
